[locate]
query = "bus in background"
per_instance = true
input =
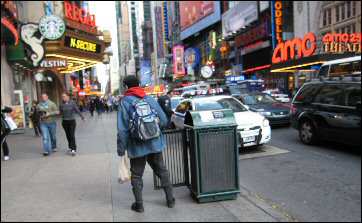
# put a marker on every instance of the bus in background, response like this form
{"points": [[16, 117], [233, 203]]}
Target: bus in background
{"points": [[350, 66]]}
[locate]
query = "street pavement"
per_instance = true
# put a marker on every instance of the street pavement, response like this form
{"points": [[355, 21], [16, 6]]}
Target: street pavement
{"points": [[85, 187], [309, 183]]}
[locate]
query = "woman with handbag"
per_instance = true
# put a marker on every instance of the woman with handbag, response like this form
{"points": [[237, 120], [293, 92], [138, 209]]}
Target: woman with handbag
{"points": [[5, 130]]}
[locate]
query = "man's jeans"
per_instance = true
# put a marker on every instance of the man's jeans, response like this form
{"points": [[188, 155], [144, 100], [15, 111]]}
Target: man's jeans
{"points": [[48, 130], [155, 160]]}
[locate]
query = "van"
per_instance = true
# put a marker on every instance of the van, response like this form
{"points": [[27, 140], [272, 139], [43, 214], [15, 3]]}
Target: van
{"points": [[347, 66]]}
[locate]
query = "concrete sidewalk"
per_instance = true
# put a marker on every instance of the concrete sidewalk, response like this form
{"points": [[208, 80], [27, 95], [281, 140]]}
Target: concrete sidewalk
{"points": [[85, 187]]}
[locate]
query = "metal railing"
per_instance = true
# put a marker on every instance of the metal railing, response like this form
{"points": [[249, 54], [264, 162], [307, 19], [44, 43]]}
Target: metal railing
{"points": [[175, 158]]}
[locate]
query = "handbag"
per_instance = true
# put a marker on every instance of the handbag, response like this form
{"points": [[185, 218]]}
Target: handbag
{"points": [[123, 170], [11, 122]]}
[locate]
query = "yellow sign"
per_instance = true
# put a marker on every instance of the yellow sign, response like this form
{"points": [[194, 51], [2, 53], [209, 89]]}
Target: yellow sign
{"points": [[83, 45]]}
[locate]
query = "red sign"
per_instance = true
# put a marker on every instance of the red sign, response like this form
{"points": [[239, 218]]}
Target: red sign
{"points": [[286, 51], [6, 22], [178, 61], [11, 7], [342, 42], [79, 18], [342, 37], [257, 33], [193, 11]]}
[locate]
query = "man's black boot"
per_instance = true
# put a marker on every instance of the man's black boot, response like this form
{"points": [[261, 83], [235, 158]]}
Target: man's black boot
{"points": [[138, 207], [169, 197]]}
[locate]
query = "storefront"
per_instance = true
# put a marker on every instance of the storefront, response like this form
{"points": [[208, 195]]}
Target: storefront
{"points": [[297, 62], [201, 40]]}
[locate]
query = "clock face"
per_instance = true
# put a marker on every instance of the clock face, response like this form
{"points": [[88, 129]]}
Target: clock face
{"points": [[51, 27], [206, 72]]}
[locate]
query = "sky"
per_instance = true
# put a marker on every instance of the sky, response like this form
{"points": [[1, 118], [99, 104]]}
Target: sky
{"points": [[105, 12]]}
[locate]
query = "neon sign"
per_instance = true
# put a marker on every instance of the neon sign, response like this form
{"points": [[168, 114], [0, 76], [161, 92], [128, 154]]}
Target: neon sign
{"points": [[79, 18], [279, 20], [178, 60], [286, 51], [342, 42]]}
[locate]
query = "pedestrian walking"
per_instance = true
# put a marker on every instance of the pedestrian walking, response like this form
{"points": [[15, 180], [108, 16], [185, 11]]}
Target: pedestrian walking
{"points": [[92, 106], [35, 118], [139, 134], [67, 110], [48, 112], [165, 103], [5, 131], [99, 105]]}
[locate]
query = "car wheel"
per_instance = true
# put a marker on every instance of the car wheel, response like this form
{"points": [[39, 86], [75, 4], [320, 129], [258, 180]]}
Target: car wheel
{"points": [[307, 133]]}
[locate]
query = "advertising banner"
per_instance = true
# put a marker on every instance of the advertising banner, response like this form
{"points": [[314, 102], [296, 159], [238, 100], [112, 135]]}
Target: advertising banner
{"points": [[194, 11], [18, 113], [146, 73], [159, 32], [178, 61], [192, 57], [243, 14], [197, 15]]}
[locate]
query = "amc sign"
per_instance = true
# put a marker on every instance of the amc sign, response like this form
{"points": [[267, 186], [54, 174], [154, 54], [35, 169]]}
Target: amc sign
{"points": [[289, 49]]}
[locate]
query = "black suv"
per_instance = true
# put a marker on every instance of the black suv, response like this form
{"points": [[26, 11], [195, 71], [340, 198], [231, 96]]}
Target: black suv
{"points": [[328, 110]]}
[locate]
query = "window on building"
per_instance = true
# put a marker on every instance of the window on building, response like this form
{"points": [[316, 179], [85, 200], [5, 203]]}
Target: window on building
{"points": [[353, 28], [329, 16], [348, 9], [354, 8], [337, 13], [343, 30], [343, 11], [348, 29], [324, 18]]}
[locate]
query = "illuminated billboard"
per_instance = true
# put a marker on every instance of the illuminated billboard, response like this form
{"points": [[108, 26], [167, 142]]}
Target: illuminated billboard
{"points": [[197, 15]]}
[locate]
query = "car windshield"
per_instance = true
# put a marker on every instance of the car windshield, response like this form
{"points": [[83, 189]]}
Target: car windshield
{"points": [[258, 99], [175, 102], [225, 103]]}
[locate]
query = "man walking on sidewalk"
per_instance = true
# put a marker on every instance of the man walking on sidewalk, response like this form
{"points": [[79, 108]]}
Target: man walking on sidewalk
{"points": [[48, 125], [139, 133]]}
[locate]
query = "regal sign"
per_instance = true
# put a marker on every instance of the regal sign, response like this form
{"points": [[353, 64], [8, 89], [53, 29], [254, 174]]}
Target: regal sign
{"points": [[296, 47], [79, 18]]}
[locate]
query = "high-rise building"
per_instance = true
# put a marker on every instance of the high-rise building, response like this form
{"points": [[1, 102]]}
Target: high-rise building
{"points": [[123, 32]]}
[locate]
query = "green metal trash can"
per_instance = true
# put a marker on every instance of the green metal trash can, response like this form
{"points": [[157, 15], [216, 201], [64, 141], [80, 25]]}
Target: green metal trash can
{"points": [[211, 139]]}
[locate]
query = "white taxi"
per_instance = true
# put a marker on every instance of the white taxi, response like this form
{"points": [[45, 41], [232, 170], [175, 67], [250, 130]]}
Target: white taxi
{"points": [[253, 128]]}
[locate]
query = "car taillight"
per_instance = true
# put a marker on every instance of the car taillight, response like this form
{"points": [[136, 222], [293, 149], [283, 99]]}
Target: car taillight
{"points": [[293, 109]]}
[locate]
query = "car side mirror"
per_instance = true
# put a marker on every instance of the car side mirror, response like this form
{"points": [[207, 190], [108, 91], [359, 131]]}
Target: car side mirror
{"points": [[247, 107]]}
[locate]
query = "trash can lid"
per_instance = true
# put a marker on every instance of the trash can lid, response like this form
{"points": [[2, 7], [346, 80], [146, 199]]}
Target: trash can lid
{"points": [[210, 119]]}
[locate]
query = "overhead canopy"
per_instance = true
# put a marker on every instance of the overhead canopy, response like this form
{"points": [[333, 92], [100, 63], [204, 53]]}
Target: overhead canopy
{"points": [[81, 51]]}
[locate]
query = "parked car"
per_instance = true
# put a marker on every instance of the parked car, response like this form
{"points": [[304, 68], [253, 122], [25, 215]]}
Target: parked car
{"points": [[328, 110], [253, 128], [276, 112], [277, 95]]}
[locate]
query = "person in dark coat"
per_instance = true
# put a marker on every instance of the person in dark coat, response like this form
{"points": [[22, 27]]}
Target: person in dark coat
{"points": [[5, 131], [92, 106], [35, 118], [165, 103]]}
